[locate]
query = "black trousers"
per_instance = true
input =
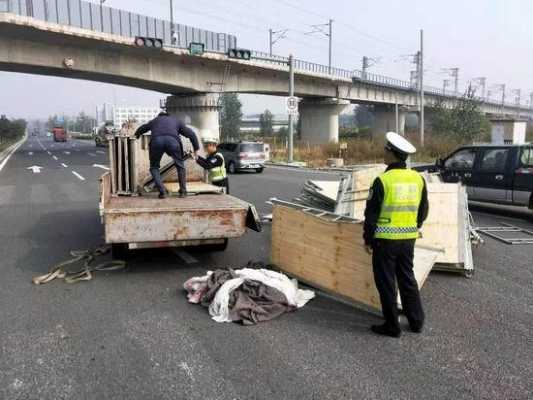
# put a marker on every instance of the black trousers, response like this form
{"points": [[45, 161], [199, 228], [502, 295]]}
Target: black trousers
{"points": [[223, 183], [160, 145], [392, 261]]}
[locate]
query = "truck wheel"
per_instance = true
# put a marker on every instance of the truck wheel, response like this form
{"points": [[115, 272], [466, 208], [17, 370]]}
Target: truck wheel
{"points": [[259, 170], [231, 168], [120, 251]]}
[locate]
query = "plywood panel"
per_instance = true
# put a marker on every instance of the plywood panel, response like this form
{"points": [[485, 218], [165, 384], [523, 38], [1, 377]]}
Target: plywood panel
{"points": [[331, 256]]}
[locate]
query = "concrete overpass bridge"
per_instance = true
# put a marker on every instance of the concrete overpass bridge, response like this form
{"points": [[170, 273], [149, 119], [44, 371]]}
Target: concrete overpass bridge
{"points": [[72, 47]]}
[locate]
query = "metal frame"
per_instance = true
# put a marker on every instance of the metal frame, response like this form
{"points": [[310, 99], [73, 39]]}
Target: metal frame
{"points": [[491, 231]]}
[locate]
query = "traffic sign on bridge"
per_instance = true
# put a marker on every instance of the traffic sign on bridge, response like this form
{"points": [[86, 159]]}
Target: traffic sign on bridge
{"points": [[292, 105]]}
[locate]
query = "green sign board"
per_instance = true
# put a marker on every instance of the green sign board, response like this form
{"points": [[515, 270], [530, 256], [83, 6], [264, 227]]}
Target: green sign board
{"points": [[196, 49]]}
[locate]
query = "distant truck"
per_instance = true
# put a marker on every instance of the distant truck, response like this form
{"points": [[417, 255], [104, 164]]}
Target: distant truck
{"points": [[500, 174], [60, 134], [100, 137]]}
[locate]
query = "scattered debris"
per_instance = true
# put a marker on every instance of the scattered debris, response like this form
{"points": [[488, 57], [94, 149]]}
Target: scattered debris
{"points": [[503, 229], [250, 295]]}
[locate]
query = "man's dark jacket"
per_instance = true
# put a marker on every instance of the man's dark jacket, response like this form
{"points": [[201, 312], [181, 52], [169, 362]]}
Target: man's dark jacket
{"points": [[167, 125]]}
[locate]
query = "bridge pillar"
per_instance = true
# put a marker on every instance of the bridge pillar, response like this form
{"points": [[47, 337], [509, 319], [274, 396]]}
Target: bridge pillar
{"points": [[320, 120], [198, 110], [385, 119]]}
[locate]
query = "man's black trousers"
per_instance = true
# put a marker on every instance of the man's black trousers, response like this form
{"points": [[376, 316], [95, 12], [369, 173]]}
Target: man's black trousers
{"points": [[170, 145], [392, 262]]}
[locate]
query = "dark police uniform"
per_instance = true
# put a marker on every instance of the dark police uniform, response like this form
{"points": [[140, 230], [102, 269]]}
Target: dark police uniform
{"points": [[395, 210], [214, 163], [166, 131]]}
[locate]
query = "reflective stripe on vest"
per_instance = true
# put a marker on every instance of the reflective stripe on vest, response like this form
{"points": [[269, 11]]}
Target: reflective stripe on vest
{"points": [[218, 174], [399, 211]]}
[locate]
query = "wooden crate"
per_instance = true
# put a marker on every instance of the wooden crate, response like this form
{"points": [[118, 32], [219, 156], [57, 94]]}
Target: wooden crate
{"points": [[329, 254]]}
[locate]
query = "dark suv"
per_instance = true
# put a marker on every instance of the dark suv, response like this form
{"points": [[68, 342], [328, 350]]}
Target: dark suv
{"points": [[243, 156], [493, 173]]}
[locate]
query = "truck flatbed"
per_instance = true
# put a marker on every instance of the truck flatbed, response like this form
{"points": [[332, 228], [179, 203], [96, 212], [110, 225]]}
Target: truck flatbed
{"points": [[146, 221]]}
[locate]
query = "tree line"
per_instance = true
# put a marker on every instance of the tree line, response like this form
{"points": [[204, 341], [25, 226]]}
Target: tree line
{"points": [[11, 129]]}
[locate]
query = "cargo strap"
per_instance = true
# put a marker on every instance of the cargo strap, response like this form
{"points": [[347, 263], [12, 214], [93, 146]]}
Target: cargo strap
{"points": [[58, 271]]}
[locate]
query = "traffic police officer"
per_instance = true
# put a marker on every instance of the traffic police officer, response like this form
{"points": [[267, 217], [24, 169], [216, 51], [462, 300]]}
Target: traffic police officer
{"points": [[214, 164], [395, 210], [166, 131]]}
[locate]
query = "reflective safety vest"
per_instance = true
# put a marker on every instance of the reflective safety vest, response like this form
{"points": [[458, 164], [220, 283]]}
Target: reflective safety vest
{"points": [[399, 211], [218, 174]]}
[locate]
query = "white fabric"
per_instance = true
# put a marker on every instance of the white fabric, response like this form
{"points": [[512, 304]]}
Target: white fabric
{"points": [[219, 308]]}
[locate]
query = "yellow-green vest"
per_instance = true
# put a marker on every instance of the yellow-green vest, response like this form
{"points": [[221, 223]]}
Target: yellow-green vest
{"points": [[399, 211], [218, 174]]}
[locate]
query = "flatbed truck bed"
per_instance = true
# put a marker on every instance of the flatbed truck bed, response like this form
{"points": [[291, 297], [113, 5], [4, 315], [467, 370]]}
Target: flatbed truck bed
{"points": [[145, 221]]}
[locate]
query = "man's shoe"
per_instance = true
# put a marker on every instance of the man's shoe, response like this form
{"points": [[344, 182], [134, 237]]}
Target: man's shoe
{"points": [[181, 195], [416, 329], [162, 195], [386, 331]]}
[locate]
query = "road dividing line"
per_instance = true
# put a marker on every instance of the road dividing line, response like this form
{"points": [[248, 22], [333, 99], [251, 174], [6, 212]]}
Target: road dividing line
{"points": [[67, 152], [49, 153], [100, 151], [64, 165], [81, 178], [92, 154], [186, 257], [54, 157], [14, 148], [30, 153], [101, 166]]}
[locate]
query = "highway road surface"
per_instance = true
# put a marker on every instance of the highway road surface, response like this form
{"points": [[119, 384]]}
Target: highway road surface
{"points": [[132, 335]]}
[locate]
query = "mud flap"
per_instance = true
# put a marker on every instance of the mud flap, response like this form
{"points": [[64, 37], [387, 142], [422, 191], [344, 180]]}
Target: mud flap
{"points": [[253, 221]]}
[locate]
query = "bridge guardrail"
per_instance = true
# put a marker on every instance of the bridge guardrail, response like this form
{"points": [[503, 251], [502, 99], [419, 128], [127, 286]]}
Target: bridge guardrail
{"points": [[100, 18]]}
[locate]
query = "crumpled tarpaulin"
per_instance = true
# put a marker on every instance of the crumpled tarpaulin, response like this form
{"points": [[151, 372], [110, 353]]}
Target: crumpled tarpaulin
{"points": [[249, 295]]}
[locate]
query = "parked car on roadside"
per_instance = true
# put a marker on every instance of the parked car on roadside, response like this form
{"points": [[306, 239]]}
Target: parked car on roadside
{"points": [[492, 173], [243, 156]]}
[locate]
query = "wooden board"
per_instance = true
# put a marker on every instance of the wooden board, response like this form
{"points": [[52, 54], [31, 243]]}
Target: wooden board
{"points": [[330, 255], [447, 220]]}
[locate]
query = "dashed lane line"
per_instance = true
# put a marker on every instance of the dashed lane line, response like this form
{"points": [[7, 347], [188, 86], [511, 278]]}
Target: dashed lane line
{"points": [[55, 158], [81, 178], [64, 165]]}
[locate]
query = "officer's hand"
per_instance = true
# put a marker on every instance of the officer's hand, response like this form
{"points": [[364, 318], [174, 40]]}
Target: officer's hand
{"points": [[368, 249], [195, 155]]}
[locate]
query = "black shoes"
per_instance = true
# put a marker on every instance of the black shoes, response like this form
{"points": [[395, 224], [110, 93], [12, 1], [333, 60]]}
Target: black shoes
{"points": [[162, 195], [386, 331], [181, 195], [416, 329]]}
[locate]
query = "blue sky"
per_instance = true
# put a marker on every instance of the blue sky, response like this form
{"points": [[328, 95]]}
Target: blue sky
{"points": [[491, 38]]}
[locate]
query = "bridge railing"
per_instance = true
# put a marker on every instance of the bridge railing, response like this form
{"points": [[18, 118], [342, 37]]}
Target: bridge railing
{"points": [[100, 18]]}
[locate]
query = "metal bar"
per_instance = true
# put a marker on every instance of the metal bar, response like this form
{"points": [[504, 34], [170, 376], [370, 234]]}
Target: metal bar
{"points": [[126, 164], [81, 12], [57, 12], [69, 17], [119, 163]]}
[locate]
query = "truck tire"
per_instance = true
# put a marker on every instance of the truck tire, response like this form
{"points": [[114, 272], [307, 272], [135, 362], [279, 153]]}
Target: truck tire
{"points": [[120, 251], [259, 170], [231, 168]]}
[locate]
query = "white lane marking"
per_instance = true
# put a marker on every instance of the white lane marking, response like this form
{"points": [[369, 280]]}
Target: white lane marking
{"points": [[49, 153], [35, 169], [101, 166], [100, 151], [81, 178], [54, 157], [186, 257], [3, 163], [30, 153], [92, 154], [64, 165], [67, 152]]}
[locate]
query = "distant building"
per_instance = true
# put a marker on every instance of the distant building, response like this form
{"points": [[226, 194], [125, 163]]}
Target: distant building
{"points": [[140, 114], [120, 114]]}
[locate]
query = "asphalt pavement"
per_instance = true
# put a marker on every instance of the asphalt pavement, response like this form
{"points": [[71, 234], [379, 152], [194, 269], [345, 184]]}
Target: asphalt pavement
{"points": [[132, 335]]}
